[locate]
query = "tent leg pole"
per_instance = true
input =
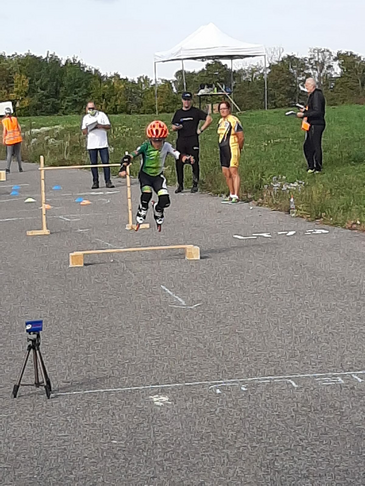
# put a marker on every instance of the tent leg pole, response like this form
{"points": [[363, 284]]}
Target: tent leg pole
{"points": [[232, 76], [265, 79], [155, 71], [183, 73]]}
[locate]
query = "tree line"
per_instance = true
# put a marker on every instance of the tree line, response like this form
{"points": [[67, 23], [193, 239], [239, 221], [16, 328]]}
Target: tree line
{"points": [[48, 85]]}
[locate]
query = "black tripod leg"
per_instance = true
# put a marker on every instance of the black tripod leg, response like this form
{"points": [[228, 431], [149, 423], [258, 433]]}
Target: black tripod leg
{"points": [[16, 387], [36, 371], [47, 381]]}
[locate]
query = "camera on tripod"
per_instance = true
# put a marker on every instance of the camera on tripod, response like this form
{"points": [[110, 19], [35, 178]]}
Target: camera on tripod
{"points": [[33, 329]]}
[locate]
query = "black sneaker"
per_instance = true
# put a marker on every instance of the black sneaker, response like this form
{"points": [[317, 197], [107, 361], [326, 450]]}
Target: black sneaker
{"points": [[194, 188], [21, 170], [109, 185], [95, 185], [179, 189], [7, 171]]}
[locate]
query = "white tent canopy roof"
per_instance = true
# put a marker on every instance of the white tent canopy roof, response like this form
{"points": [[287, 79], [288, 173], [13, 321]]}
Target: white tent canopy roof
{"points": [[208, 42]]}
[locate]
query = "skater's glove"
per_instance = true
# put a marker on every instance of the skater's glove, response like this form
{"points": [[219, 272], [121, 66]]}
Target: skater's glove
{"points": [[126, 160]]}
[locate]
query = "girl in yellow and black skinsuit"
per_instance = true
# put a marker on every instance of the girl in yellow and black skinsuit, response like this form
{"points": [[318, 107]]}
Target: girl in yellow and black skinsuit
{"points": [[231, 140]]}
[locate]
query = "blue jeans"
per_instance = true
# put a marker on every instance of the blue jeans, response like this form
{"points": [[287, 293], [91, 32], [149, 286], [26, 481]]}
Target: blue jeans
{"points": [[104, 155]]}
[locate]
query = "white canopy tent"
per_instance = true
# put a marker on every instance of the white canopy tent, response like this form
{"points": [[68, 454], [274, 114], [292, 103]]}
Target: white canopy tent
{"points": [[208, 43]]}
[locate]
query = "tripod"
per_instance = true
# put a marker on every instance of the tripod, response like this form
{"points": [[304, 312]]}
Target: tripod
{"points": [[34, 340]]}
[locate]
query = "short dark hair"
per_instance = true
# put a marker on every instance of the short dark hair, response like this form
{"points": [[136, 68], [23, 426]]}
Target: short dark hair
{"points": [[227, 103]]}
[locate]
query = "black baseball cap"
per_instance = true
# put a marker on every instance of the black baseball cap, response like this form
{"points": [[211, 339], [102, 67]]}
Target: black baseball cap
{"points": [[187, 95]]}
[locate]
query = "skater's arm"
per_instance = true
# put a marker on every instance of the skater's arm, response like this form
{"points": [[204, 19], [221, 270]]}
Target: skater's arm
{"points": [[177, 155], [128, 158], [124, 163], [4, 134]]}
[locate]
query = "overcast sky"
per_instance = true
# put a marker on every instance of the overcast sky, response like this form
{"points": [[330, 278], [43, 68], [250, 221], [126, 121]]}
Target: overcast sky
{"points": [[123, 35]]}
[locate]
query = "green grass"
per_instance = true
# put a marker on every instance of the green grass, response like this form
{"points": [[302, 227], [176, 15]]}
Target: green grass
{"points": [[273, 148]]}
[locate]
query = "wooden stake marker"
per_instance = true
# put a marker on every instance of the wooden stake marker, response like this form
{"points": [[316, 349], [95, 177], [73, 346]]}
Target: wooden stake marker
{"points": [[191, 252], [2, 175], [44, 230], [130, 225]]}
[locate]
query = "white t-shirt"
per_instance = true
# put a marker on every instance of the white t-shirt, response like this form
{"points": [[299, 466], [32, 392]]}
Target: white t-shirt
{"points": [[97, 138]]}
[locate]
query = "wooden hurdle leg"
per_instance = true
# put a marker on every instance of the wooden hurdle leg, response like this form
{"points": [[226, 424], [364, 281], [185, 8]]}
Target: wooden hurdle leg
{"points": [[44, 230], [76, 259], [2, 175], [192, 252], [130, 225]]}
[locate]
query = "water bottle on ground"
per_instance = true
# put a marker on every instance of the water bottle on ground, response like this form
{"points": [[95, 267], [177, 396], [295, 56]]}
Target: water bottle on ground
{"points": [[293, 211]]}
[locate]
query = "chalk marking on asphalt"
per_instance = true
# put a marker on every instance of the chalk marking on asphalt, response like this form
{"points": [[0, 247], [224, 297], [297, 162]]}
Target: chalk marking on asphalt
{"points": [[67, 219], [87, 214], [316, 232], [12, 185], [186, 306], [212, 383], [287, 233], [160, 400], [11, 219], [104, 243], [12, 200], [183, 304], [245, 237], [331, 381], [264, 235], [357, 378], [98, 193]]}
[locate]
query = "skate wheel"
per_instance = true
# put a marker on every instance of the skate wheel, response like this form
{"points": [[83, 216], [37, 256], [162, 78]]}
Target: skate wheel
{"points": [[159, 228], [137, 227]]}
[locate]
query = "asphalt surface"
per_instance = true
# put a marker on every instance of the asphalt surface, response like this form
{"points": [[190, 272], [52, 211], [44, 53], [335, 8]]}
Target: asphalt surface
{"points": [[171, 372]]}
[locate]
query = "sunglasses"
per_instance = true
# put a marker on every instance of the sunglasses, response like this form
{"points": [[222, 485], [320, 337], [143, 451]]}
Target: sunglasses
{"points": [[157, 139], [91, 108]]}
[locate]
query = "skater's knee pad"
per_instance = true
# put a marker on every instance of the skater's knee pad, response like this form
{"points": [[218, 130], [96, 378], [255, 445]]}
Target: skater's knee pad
{"points": [[145, 199], [163, 200]]}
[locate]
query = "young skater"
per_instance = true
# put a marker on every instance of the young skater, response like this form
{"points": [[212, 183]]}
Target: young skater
{"points": [[150, 176]]}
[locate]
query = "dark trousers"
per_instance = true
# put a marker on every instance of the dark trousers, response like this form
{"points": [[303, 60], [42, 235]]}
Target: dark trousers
{"points": [[13, 150], [187, 146], [104, 155], [313, 147]]}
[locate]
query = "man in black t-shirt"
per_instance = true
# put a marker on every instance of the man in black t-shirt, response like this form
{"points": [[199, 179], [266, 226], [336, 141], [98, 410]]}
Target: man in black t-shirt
{"points": [[186, 123]]}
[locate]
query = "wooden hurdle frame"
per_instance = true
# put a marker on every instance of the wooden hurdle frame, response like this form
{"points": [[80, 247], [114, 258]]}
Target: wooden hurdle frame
{"points": [[191, 252], [2, 175], [42, 169]]}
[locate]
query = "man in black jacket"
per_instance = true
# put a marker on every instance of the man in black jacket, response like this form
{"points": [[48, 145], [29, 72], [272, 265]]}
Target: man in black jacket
{"points": [[314, 124], [186, 123]]}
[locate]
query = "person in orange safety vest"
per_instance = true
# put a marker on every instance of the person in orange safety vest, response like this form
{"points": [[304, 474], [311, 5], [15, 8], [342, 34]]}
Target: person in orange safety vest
{"points": [[12, 139]]}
